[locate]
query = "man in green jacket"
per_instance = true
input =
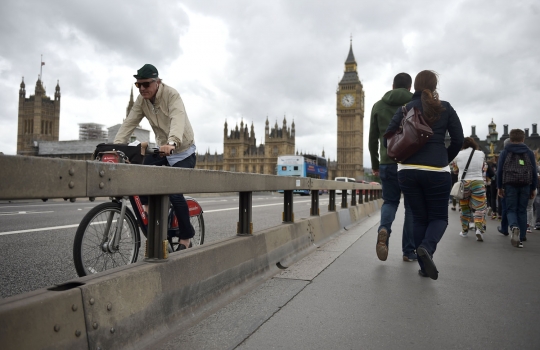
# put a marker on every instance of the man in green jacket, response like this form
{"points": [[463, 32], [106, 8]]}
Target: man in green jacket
{"points": [[386, 168]]}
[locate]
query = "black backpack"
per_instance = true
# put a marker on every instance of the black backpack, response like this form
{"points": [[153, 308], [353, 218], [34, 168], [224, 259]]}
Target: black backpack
{"points": [[517, 169]]}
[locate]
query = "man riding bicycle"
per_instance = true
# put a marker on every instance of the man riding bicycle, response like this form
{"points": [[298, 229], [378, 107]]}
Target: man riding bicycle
{"points": [[164, 109]]}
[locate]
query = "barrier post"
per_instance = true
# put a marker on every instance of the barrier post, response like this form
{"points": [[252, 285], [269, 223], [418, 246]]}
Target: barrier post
{"points": [[245, 226], [288, 213], [314, 210], [344, 199], [156, 244], [332, 200]]}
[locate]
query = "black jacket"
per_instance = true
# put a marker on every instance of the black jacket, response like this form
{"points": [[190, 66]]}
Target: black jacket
{"points": [[434, 152]]}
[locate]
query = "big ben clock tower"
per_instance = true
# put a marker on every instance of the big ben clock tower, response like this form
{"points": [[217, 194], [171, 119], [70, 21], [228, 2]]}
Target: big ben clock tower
{"points": [[350, 122]]}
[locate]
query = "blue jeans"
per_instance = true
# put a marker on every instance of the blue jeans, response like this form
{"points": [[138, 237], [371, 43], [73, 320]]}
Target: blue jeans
{"points": [[178, 201], [427, 193], [391, 196], [504, 218], [517, 198]]}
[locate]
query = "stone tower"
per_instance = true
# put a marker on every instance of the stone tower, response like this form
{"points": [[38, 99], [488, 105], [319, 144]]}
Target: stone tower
{"points": [[350, 122], [279, 141], [39, 118]]}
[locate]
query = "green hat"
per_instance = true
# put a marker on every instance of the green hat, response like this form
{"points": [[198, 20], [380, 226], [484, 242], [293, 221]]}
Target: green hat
{"points": [[147, 71]]}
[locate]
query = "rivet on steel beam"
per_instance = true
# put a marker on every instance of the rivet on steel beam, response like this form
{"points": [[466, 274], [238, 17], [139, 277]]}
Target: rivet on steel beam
{"points": [[71, 171], [77, 333], [101, 173], [57, 328], [74, 307], [92, 301], [112, 330], [95, 325], [71, 184], [109, 307], [101, 185]]}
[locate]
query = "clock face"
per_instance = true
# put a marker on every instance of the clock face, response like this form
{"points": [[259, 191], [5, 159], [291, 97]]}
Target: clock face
{"points": [[347, 100]]}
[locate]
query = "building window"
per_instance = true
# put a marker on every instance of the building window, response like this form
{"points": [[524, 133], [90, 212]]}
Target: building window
{"points": [[275, 150], [233, 168], [233, 151]]}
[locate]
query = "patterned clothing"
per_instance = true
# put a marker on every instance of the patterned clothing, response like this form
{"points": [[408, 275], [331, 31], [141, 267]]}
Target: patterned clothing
{"points": [[474, 198]]}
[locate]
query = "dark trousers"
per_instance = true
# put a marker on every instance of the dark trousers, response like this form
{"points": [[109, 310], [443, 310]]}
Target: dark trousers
{"points": [[427, 193], [178, 201]]}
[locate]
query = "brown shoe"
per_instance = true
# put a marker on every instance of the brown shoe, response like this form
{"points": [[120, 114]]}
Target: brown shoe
{"points": [[382, 247]]}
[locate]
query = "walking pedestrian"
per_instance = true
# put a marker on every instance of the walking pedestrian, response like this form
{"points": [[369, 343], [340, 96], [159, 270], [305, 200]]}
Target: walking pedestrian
{"points": [[473, 203], [425, 177], [517, 179], [386, 168]]}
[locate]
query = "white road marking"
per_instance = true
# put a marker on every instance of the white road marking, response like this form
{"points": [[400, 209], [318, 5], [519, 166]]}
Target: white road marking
{"points": [[24, 212]]}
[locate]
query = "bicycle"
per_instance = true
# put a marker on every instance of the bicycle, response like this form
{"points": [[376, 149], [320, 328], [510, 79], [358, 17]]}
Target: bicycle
{"points": [[108, 235]]}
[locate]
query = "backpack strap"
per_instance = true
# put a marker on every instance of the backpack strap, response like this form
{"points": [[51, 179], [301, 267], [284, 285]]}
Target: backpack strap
{"points": [[466, 166]]}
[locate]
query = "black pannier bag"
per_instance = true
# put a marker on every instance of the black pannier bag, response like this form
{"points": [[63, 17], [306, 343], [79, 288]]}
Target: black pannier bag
{"points": [[133, 153]]}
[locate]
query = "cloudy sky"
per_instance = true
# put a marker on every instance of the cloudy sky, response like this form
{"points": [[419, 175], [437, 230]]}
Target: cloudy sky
{"points": [[247, 59]]}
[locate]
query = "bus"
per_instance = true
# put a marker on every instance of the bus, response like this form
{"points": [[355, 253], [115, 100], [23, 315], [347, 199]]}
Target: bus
{"points": [[305, 165]]}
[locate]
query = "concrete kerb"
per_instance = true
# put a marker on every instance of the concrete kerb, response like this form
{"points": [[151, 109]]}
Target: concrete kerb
{"points": [[143, 302]]}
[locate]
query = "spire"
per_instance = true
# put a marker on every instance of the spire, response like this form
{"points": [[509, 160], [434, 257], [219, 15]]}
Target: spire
{"points": [[57, 91], [351, 75], [130, 103], [350, 57], [22, 90], [39, 86]]}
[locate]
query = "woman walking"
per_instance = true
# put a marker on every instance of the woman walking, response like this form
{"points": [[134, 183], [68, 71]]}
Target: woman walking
{"points": [[425, 177], [473, 203]]}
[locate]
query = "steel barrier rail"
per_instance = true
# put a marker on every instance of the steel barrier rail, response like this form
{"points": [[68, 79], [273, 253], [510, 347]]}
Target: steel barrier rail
{"points": [[42, 178], [39, 178]]}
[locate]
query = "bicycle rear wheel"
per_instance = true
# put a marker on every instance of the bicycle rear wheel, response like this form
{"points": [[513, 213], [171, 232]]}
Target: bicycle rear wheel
{"points": [[91, 251], [197, 222]]}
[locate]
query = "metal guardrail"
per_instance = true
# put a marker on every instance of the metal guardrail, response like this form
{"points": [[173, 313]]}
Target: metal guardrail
{"points": [[43, 178]]}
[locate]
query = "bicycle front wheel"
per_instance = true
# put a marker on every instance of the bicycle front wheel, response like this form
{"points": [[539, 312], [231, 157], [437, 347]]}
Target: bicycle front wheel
{"points": [[197, 222], [93, 249]]}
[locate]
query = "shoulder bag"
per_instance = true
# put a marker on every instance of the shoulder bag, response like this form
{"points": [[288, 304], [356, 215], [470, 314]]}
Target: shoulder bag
{"points": [[458, 189], [413, 133]]}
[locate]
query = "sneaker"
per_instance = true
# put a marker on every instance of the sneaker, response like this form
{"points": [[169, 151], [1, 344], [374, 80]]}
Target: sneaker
{"points": [[382, 246], [454, 208], [520, 245], [410, 257], [499, 228], [537, 226], [529, 229], [515, 236], [489, 212], [463, 233], [479, 236]]}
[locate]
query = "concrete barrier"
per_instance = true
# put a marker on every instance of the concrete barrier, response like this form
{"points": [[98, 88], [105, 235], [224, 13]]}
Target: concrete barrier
{"points": [[133, 306]]}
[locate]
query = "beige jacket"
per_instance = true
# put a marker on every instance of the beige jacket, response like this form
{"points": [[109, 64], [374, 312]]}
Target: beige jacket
{"points": [[167, 117]]}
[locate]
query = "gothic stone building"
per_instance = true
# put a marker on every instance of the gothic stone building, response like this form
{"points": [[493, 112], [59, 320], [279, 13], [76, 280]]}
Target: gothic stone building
{"points": [[39, 119], [241, 153]]}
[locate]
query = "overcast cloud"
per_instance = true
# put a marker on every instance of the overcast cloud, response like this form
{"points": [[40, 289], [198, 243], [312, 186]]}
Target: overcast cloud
{"points": [[244, 59]]}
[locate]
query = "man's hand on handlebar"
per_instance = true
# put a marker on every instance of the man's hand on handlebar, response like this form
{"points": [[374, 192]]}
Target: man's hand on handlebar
{"points": [[166, 149]]}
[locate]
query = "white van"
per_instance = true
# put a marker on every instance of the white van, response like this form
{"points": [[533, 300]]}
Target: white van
{"points": [[344, 179]]}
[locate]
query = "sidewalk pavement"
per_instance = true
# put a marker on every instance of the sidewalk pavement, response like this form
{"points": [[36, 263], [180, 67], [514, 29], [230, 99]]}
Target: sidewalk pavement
{"points": [[342, 297]]}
